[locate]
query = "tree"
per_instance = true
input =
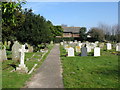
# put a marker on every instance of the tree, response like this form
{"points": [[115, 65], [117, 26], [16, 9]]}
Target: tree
{"points": [[82, 33], [11, 18], [58, 31], [35, 29], [96, 34]]}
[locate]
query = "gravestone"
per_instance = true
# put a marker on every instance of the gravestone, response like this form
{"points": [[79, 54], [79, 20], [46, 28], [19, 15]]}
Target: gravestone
{"points": [[117, 47], [79, 44], [1, 55], [4, 56], [75, 41], [67, 48], [77, 48], [109, 46], [101, 45], [83, 51], [51, 42], [15, 51], [30, 48], [61, 43], [22, 67], [5, 43], [71, 42], [97, 51], [70, 52], [88, 49], [9, 43]]}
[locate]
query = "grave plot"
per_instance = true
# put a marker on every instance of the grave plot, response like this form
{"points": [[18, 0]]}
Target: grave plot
{"points": [[97, 70], [16, 79]]}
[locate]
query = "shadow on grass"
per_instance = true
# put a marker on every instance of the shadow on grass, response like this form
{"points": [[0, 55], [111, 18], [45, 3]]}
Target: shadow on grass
{"points": [[65, 55]]}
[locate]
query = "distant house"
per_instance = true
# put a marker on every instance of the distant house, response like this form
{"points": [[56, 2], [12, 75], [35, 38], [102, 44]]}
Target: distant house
{"points": [[71, 31]]}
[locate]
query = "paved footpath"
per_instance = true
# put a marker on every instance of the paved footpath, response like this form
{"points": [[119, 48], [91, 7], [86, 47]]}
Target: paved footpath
{"points": [[49, 75]]}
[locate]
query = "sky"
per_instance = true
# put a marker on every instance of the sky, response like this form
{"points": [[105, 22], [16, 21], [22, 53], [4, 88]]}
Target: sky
{"points": [[78, 14]]}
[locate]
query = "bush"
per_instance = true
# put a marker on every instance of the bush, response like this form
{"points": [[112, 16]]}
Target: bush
{"points": [[58, 40]]}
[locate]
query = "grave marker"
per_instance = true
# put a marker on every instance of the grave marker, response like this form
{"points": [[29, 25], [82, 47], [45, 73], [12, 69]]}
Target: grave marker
{"points": [[83, 51], [97, 51], [77, 48], [22, 67], [109, 46], [15, 51], [70, 52]]}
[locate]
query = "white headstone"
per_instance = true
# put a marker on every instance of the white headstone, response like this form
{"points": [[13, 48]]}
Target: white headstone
{"points": [[61, 43], [22, 67], [109, 47], [96, 51], [88, 48], [70, 52], [117, 47]]}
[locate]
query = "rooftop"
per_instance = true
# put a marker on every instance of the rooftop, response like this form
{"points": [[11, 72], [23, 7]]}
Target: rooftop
{"points": [[71, 29]]}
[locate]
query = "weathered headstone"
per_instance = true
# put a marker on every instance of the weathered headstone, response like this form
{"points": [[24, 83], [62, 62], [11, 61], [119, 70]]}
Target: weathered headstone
{"points": [[3, 55], [77, 48], [22, 67], [70, 52], [101, 45], [83, 51], [109, 46], [5, 43], [15, 51], [9, 43], [30, 48], [61, 43], [97, 51], [51, 42]]}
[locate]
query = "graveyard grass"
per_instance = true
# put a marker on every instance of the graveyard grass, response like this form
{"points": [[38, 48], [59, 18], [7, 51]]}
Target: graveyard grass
{"points": [[90, 71], [18, 80]]}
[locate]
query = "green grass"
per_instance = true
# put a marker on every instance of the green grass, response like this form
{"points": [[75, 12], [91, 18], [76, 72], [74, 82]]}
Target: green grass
{"points": [[90, 71], [16, 79]]}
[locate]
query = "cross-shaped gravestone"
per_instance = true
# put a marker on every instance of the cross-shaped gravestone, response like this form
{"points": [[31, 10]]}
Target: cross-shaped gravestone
{"points": [[22, 54], [22, 67]]}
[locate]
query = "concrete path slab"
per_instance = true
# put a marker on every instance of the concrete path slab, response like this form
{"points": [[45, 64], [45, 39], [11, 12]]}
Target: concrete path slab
{"points": [[49, 75]]}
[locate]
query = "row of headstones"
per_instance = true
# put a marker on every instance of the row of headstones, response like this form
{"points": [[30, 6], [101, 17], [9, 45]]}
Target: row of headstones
{"points": [[93, 45], [84, 50], [117, 46]]}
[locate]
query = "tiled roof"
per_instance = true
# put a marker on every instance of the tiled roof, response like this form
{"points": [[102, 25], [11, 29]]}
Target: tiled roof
{"points": [[71, 29]]}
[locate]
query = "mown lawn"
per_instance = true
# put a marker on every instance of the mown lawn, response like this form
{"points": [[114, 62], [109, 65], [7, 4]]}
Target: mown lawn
{"points": [[90, 71], [16, 79]]}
